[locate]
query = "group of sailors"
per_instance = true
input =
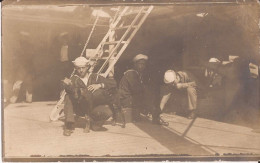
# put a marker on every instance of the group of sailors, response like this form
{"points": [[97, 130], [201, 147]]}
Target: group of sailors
{"points": [[86, 91]]}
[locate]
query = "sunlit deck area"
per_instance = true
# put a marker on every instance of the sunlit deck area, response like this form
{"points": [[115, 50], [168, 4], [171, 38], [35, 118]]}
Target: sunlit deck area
{"points": [[28, 132]]}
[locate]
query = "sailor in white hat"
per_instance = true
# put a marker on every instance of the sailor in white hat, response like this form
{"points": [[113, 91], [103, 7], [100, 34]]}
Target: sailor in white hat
{"points": [[213, 78], [81, 65], [140, 61], [182, 81], [83, 89], [140, 57], [214, 60], [169, 77]]}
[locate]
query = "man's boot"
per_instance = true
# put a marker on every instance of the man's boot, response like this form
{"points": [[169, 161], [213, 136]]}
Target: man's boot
{"points": [[114, 114], [87, 127], [136, 117], [68, 129], [160, 121], [118, 116], [156, 119], [98, 126], [192, 114], [122, 115], [28, 97]]}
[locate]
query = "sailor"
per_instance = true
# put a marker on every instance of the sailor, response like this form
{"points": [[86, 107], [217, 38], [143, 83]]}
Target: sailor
{"points": [[184, 84], [24, 68], [214, 79], [85, 91], [131, 87], [132, 90], [235, 74]]}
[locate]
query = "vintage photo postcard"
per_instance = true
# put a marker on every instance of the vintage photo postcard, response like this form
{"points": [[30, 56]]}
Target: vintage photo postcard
{"points": [[139, 80]]}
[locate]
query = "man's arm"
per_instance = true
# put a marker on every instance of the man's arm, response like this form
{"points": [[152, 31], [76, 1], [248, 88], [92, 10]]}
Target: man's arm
{"points": [[67, 85], [134, 82], [99, 81], [164, 100], [186, 85], [219, 68], [106, 83], [190, 81]]}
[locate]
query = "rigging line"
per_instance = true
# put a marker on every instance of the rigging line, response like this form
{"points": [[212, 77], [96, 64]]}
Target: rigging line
{"points": [[92, 30]]}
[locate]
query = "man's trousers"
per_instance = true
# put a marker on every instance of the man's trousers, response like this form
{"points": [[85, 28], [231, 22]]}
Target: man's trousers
{"points": [[88, 106]]}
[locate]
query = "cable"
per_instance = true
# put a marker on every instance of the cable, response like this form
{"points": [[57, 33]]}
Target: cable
{"points": [[90, 34]]}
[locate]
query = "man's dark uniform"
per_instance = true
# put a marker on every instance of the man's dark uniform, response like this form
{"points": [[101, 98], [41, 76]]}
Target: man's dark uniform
{"points": [[131, 92], [135, 94], [235, 80], [81, 101]]}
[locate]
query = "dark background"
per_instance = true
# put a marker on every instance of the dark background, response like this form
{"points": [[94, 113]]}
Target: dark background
{"points": [[172, 36]]}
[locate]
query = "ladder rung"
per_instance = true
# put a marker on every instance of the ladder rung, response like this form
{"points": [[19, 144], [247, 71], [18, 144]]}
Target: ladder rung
{"points": [[112, 58], [114, 42], [124, 27], [104, 58], [132, 13]]}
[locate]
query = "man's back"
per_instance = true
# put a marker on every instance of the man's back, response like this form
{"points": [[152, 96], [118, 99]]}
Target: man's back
{"points": [[186, 77]]}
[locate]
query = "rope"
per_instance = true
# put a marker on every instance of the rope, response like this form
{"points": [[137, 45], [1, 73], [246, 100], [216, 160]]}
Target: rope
{"points": [[90, 34]]}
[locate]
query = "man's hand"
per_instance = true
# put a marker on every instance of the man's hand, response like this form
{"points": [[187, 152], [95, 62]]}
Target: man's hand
{"points": [[164, 100], [67, 81], [192, 84], [94, 87], [179, 85]]}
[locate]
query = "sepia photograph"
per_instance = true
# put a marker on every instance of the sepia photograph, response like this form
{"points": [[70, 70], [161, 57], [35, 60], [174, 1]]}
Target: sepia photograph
{"points": [[139, 80]]}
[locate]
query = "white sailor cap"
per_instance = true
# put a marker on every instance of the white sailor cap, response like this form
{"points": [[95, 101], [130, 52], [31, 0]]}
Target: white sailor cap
{"points": [[169, 76], [214, 60], [80, 62], [63, 34], [139, 57]]}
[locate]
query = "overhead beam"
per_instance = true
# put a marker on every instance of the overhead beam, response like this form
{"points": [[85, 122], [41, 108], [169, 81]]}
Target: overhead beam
{"points": [[123, 2]]}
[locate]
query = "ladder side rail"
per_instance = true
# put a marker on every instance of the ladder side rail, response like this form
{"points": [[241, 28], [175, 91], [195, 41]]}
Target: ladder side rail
{"points": [[116, 15], [126, 44], [119, 17], [122, 38]]}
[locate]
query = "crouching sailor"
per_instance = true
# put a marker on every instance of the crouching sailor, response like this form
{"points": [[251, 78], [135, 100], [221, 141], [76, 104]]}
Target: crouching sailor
{"points": [[85, 91]]}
